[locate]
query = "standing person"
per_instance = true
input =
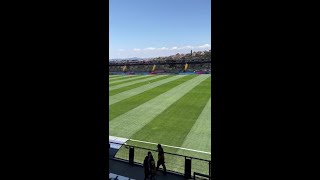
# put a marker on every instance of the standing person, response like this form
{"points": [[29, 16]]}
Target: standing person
{"points": [[146, 167], [152, 166], [161, 159]]}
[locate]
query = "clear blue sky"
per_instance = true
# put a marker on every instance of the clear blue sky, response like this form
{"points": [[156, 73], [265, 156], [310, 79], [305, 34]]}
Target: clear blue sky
{"points": [[153, 28]]}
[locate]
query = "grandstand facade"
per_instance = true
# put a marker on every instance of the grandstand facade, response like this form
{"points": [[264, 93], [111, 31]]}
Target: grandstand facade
{"points": [[156, 67], [197, 62]]}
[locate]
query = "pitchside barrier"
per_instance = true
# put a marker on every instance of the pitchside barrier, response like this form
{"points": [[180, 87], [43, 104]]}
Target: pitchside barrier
{"points": [[189, 167]]}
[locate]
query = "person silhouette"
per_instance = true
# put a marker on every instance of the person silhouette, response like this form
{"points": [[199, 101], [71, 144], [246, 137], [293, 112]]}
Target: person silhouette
{"points": [[161, 159]]}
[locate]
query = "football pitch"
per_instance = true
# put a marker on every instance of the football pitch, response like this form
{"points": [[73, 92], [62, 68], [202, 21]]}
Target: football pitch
{"points": [[173, 110]]}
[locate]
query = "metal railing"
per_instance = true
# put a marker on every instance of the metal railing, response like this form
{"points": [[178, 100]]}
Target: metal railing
{"points": [[195, 174], [175, 163]]}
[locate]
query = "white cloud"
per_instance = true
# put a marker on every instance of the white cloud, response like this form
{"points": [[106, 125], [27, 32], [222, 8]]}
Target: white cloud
{"points": [[186, 47], [161, 51], [150, 48], [163, 48], [204, 46]]}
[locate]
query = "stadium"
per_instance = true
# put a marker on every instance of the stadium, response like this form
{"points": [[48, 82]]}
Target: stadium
{"points": [[162, 101]]}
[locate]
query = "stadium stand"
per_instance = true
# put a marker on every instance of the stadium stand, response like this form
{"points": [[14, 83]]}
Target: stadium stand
{"points": [[200, 62]]}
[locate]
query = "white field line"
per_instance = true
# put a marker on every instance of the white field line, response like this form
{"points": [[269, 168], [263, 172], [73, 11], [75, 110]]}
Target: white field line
{"points": [[131, 122], [117, 139], [134, 82], [132, 92], [125, 140], [171, 146]]}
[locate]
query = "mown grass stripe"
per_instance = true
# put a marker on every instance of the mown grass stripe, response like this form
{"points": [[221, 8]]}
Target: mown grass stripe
{"points": [[126, 88], [116, 77], [200, 135], [169, 125], [126, 125], [175, 162], [140, 77], [125, 80], [120, 78], [178, 119], [124, 95], [147, 78], [126, 105]]}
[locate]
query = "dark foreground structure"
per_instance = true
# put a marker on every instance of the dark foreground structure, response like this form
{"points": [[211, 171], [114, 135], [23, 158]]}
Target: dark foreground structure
{"points": [[123, 170], [125, 162]]}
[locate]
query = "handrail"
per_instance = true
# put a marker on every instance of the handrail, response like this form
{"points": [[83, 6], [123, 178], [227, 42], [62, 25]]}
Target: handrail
{"points": [[200, 174]]}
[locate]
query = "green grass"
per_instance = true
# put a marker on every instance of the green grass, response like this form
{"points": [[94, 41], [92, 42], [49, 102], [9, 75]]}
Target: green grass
{"points": [[171, 110], [177, 120], [128, 79], [118, 78], [132, 102], [135, 85]]}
